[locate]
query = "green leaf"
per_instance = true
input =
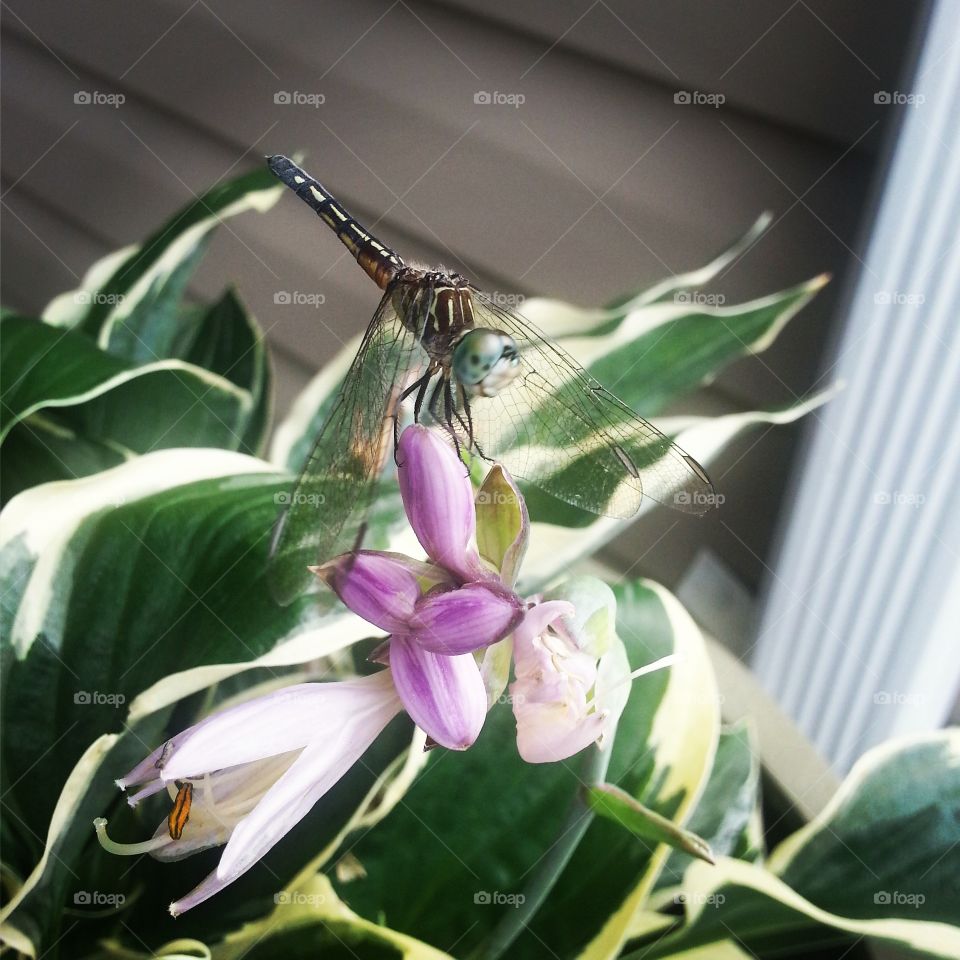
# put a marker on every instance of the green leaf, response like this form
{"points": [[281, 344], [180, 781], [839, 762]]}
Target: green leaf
{"points": [[119, 579], [881, 861], [313, 922], [139, 586], [618, 806], [561, 535], [135, 312], [42, 367], [109, 409], [68, 309], [225, 340], [64, 867], [294, 437], [727, 815], [888, 838], [746, 901], [671, 349]]}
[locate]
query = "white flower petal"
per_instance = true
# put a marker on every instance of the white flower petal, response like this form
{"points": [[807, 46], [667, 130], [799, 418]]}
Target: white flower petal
{"points": [[276, 723], [321, 764]]}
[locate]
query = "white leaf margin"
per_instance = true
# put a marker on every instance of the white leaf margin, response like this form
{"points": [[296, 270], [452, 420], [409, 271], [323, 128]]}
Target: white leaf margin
{"points": [[702, 882], [74, 790], [48, 516], [873, 760], [212, 381], [178, 249]]}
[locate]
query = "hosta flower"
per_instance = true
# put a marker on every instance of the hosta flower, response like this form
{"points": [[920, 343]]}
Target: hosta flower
{"points": [[572, 673], [437, 612], [249, 774]]}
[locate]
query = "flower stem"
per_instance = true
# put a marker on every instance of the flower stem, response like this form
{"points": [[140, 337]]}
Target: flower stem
{"points": [[579, 816]]}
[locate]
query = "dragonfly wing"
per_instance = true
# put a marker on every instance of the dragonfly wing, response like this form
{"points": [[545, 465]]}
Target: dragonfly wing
{"points": [[556, 427], [324, 514]]}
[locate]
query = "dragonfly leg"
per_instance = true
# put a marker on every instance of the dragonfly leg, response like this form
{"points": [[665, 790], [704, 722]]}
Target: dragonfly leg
{"points": [[469, 427], [442, 391], [420, 386], [448, 414], [468, 423], [421, 395]]}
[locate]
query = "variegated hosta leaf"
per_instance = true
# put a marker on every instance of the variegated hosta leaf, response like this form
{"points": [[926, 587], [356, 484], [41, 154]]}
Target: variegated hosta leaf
{"points": [[130, 300], [307, 923], [881, 861], [727, 815], [115, 581], [70, 409]]}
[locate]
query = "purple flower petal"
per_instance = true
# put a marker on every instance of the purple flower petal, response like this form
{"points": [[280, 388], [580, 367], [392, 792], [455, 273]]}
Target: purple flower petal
{"points": [[445, 696], [379, 587], [438, 499], [459, 621]]}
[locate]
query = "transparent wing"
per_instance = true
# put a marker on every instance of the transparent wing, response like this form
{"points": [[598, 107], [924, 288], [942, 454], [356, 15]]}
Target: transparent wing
{"points": [[323, 515], [556, 427]]}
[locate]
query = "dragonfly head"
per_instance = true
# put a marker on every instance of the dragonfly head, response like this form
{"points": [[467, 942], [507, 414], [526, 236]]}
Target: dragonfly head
{"points": [[485, 361]]}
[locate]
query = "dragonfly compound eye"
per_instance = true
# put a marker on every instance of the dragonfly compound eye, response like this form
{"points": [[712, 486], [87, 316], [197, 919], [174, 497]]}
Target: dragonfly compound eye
{"points": [[486, 361]]}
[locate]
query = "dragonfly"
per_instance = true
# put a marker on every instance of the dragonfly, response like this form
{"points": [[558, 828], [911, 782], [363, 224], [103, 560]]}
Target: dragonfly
{"points": [[495, 386]]}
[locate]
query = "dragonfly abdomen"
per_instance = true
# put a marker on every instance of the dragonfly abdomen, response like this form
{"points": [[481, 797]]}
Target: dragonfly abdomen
{"points": [[378, 261]]}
